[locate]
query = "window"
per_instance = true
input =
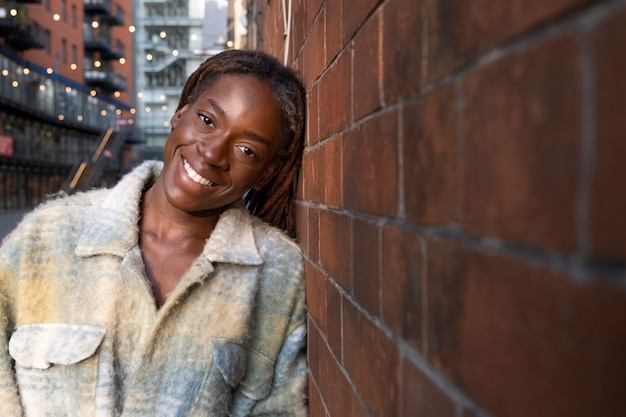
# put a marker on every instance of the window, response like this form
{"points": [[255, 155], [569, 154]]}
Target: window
{"points": [[46, 41], [63, 10], [36, 30], [64, 51], [119, 12], [119, 47], [74, 54], [73, 17]]}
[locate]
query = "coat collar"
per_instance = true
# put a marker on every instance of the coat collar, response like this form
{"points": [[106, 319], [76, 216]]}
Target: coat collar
{"points": [[113, 227]]}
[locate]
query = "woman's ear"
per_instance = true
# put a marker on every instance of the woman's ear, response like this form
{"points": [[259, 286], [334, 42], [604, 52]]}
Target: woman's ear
{"points": [[178, 115], [268, 173]]}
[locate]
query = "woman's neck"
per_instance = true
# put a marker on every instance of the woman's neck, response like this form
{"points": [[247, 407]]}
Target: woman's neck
{"points": [[163, 223]]}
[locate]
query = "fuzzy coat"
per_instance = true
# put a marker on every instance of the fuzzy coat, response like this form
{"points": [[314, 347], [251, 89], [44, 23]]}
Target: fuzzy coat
{"points": [[80, 334]]}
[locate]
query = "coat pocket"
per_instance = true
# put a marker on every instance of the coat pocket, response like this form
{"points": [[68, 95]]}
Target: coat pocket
{"points": [[230, 359], [235, 371], [56, 367], [41, 345], [244, 370]]}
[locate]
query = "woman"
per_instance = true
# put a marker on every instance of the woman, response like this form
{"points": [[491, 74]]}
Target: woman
{"points": [[165, 296]]}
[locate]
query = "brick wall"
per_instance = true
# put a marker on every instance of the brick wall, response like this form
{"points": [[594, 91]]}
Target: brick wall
{"points": [[462, 205]]}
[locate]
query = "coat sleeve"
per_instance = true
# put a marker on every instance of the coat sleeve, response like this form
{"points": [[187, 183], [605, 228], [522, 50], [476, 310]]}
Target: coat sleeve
{"points": [[288, 379], [277, 374], [288, 395], [9, 397]]}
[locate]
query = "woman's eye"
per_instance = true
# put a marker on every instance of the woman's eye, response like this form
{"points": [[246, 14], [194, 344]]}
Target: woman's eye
{"points": [[206, 120], [247, 151]]}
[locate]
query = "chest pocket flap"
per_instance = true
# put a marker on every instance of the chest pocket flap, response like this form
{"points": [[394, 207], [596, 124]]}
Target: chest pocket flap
{"points": [[42, 345], [246, 370]]}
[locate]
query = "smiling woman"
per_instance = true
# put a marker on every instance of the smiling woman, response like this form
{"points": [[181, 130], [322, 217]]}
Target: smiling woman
{"points": [[181, 282], [221, 145]]}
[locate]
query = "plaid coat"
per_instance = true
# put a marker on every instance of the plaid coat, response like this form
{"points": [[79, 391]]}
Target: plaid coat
{"points": [[80, 334]]}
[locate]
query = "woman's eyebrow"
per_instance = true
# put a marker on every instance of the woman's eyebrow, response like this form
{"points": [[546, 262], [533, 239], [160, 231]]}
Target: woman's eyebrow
{"points": [[256, 137], [248, 133], [217, 107]]}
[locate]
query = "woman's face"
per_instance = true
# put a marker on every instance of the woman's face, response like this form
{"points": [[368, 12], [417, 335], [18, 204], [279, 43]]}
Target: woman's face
{"points": [[222, 145]]}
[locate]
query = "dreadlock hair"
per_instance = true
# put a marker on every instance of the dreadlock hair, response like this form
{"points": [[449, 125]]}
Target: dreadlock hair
{"points": [[274, 203]]}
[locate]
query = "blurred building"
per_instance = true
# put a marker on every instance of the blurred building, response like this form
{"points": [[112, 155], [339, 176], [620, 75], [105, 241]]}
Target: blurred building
{"points": [[66, 97], [173, 38]]}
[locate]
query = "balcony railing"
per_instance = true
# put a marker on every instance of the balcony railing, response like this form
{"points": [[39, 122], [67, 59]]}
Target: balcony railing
{"points": [[106, 79], [25, 38], [97, 6], [104, 8], [102, 43], [116, 18], [19, 33], [28, 88]]}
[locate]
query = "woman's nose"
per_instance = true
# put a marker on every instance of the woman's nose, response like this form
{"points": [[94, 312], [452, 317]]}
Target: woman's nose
{"points": [[214, 152]]}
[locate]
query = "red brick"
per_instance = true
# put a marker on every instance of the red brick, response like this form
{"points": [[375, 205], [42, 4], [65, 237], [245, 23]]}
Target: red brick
{"points": [[313, 246], [609, 204], [273, 30], [315, 52], [336, 96], [336, 390], [314, 341], [522, 339], [336, 246], [305, 178], [354, 13], [302, 229], [366, 265], [371, 166], [521, 147], [402, 50], [460, 32], [312, 9], [334, 29], [402, 294], [334, 172], [314, 174], [420, 397], [299, 30], [366, 67], [372, 361], [429, 157], [316, 405], [316, 295], [333, 331], [313, 132]]}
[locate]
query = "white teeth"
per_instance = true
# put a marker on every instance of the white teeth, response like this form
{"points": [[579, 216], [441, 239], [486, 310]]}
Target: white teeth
{"points": [[194, 175]]}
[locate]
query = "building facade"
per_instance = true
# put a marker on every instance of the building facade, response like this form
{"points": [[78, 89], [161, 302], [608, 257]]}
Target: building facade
{"points": [[66, 97]]}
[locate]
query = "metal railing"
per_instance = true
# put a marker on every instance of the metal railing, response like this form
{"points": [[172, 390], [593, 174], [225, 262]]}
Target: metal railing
{"points": [[27, 87]]}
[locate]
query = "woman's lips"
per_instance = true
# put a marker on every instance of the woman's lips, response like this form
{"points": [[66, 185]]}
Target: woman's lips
{"points": [[195, 177]]}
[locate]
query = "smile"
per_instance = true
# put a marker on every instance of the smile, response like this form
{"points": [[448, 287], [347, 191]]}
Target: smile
{"points": [[195, 177]]}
